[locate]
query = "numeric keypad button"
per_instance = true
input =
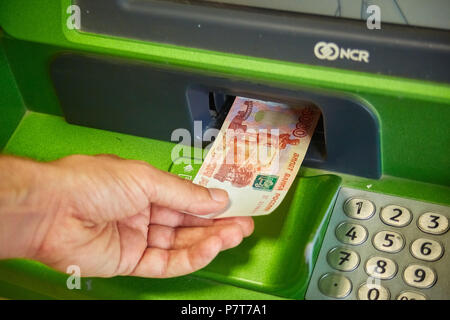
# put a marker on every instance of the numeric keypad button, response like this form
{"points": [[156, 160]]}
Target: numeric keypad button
{"points": [[395, 216], [427, 249], [419, 276], [373, 292], [410, 295], [351, 233], [343, 259], [357, 208], [433, 223], [335, 285], [381, 268], [388, 241]]}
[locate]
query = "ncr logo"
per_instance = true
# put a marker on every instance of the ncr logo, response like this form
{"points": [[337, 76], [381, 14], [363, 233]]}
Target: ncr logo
{"points": [[331, 51]]}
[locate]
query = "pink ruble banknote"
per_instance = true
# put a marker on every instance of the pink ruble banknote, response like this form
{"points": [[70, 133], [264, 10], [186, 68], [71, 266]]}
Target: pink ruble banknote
{"points": [[257, 154]]}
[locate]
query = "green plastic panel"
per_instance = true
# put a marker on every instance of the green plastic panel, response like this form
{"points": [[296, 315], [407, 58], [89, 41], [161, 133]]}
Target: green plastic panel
{"points": [[280, 256], [11, 104], [413, 114], [274, 262]]}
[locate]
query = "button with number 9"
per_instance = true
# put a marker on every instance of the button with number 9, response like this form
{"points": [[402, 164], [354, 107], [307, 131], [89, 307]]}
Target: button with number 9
{"points": [[418, 276]]}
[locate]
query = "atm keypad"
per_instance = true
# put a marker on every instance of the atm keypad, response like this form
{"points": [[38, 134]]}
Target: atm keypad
{"points": [[380, 247]]}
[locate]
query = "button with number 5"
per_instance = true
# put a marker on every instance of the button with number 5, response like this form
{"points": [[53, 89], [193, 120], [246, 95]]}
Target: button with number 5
{"points": [[433, 223], [351, 233], [388, 241], [359, 208], [395, 216], [419, 276]]}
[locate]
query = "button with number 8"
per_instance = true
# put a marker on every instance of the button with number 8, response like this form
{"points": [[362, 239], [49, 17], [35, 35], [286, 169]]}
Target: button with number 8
{"points": [[351, 233], [381, 268], [433, 223], [395, 216], [359, 208]]}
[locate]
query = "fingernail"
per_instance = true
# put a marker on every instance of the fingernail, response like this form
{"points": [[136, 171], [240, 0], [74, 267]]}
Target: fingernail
{"points": [[218, 195]]}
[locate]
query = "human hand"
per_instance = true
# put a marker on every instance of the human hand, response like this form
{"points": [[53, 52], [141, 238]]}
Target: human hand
{"points": [[113, 217]]}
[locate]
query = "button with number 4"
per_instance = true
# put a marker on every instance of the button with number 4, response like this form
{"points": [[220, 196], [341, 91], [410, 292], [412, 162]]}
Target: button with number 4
{"points": [[395, 216], [381, 268], [427, 249], [433, 223], [343, 259], [373, 292], [388, 241], [351, 233], [419, 276], [359, 208]]}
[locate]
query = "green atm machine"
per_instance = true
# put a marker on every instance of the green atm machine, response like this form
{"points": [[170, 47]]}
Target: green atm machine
{"points": [[367, 216]]}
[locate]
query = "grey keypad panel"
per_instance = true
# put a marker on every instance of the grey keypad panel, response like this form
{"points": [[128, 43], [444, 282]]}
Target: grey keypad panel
{"points": [[383, 247]]}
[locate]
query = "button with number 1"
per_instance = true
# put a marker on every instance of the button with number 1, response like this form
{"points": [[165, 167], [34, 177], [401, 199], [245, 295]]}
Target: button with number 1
{"points": [[357, 208]]}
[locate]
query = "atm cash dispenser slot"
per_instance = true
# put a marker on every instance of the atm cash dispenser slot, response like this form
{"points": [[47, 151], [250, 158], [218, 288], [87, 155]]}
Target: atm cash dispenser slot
{"points": [[150, 101]]}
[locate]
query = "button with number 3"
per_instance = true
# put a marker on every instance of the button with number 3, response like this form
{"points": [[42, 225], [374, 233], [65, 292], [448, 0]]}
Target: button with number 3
{"points": [[395, 216], [359, 208], [351, 233], [433, 223]]}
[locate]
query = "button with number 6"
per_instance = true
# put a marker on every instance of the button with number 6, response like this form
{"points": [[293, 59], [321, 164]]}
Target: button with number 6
{"points": [[433, 223], [427, 249], [395, 216], [351, 233]]}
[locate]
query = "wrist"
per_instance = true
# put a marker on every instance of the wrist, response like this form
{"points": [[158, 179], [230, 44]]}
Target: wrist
{"points": [[22, 220]]}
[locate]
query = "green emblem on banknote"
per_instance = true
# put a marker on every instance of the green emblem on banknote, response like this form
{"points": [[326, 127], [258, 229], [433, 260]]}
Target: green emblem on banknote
{"points": [[264, 182]]}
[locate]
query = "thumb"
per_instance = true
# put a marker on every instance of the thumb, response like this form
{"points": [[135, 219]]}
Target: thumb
{"points": [[182, 195]]}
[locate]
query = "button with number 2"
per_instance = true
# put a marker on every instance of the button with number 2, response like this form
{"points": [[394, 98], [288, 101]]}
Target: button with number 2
{"points": [[395, 216]]}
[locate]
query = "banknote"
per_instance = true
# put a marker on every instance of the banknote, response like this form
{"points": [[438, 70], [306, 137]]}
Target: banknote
{"points": [[257, 154]]}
